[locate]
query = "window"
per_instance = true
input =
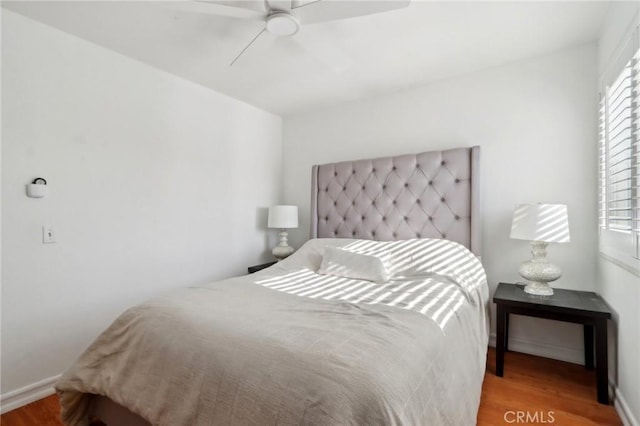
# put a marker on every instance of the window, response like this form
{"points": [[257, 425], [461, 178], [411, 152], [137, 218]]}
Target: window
{"points": [[619, 164]]}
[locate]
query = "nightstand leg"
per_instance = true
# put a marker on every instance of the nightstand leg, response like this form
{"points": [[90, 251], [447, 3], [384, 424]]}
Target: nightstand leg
{"points": [[506, 333], [602, 369], [588, 346], [501, 324]]}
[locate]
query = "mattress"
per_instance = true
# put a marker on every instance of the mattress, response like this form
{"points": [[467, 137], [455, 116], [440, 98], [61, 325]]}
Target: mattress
{"points": [[289, 346]]}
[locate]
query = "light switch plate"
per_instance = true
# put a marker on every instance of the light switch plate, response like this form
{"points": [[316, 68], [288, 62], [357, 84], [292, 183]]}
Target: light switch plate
{"points": [[48, 235]]}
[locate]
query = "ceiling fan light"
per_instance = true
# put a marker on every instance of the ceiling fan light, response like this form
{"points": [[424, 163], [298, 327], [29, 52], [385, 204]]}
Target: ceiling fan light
{"points": [[282, 24]]}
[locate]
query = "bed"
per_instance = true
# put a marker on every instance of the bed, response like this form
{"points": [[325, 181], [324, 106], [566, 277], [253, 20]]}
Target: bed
{"points": [[379, 319]]}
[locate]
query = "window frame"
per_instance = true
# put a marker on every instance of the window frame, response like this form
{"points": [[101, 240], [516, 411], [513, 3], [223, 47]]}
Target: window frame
{"points": [[620, 247]]}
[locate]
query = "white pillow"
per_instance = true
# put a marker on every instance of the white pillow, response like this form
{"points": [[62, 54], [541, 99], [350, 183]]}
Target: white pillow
{"points": [[423, 257], [347, 264]]}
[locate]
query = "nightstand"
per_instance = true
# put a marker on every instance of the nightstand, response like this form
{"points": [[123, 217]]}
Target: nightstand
{"points": [[256, 268], [581, 307]]}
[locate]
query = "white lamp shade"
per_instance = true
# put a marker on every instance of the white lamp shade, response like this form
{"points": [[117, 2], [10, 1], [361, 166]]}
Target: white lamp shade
{"points": [[283, 217], [541, 222]]}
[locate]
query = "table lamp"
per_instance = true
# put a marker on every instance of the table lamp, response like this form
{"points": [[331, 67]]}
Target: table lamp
{"points": [[541, 224], [283, 217]]}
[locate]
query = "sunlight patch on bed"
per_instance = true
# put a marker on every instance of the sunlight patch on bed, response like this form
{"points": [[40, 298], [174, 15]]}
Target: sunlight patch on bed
{"points": [[432, 277]]}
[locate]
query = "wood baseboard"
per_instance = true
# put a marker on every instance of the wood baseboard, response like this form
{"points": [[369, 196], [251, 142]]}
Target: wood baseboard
{"points": [[27, 394], [622, 408]]}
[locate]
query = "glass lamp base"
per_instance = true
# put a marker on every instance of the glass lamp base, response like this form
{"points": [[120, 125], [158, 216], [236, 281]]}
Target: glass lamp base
{"points": [[282, 250], [538, 271], [538, 289]]}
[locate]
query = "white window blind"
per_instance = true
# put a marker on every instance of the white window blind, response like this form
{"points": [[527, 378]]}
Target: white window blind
{"points": [[619, 156]]}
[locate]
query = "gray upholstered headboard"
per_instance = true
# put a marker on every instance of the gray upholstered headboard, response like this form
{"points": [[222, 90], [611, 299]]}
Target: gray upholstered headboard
{"points": [[428, 195]]}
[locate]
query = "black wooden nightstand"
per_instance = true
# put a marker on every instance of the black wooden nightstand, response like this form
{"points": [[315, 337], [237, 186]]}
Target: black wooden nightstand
{"points": [[581, 307], [256, 268]]}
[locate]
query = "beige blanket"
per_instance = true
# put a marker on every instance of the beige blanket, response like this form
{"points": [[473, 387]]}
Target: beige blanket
{"points": [[270, 349]]}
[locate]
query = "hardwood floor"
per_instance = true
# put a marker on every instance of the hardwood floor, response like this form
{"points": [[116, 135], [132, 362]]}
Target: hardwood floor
{"points": [[548, 391], [555, 390], [45, 412]]}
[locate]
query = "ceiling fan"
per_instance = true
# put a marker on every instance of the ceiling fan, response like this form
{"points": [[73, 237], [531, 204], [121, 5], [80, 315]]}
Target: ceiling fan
{"points": [[283, 18]]}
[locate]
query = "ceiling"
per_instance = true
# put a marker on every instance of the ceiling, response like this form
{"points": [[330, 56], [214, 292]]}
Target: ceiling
{"points": [[326, 63]]}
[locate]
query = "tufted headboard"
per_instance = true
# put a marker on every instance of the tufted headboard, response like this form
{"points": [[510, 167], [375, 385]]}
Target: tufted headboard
{"points": [[428, 195]]}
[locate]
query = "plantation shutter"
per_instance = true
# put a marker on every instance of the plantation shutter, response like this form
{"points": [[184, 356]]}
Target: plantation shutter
{"points": [[602, 164], [635, 154], [619, 152]]}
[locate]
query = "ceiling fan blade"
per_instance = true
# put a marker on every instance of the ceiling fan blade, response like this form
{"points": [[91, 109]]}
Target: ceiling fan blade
{"points": [[247, 46], [332, 10], [216, 9], [278, 5]]}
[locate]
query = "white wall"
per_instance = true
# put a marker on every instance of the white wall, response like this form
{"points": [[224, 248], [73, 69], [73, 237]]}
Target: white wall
{"points": [[535, 121], [619, 287], [155, 183], [621, 290]]}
